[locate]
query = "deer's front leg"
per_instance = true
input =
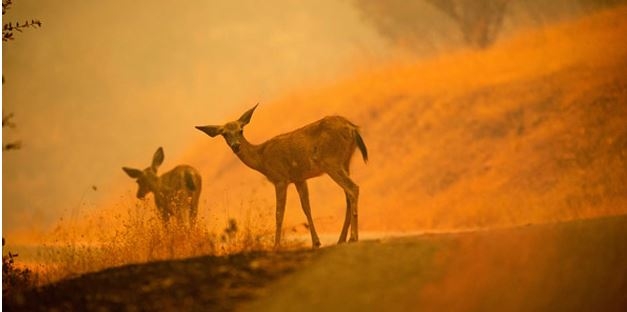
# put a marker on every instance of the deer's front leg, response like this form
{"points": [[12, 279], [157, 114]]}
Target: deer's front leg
{"points": [[281, 195], [303, 193]]}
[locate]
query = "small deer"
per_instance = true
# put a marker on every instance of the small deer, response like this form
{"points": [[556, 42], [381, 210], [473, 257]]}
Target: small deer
{"points": [[176, 192], [325, 146]]}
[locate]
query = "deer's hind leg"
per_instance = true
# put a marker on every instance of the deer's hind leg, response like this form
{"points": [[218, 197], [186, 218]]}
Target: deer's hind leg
{"points": [[193, 210], [347, 219], [352, 194]]}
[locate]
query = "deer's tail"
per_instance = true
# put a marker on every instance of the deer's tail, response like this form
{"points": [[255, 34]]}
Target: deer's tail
{"points": [[190, 183], [361, 145]]}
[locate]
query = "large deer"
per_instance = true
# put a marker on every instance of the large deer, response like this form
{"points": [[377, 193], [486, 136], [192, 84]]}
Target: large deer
{"points": [[325, 146], [176, 192]]}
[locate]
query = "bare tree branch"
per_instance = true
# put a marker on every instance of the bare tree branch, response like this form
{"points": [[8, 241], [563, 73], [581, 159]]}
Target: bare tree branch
{"points": [[6, 120], [9, 28], [12, 146]]}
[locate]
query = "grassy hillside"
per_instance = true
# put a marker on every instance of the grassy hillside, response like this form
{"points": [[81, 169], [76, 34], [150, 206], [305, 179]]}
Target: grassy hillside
{"points": [[531, 130]]}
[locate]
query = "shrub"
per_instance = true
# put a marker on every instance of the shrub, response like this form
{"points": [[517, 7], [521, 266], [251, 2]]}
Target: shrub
{"points": [[14, 278]]}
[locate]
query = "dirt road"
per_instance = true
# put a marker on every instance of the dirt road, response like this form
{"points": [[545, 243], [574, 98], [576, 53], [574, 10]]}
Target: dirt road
{"points": [[576, 266]]}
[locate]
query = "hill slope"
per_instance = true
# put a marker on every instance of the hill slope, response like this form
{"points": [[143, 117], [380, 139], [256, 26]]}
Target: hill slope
{"points": [[531, 130]]}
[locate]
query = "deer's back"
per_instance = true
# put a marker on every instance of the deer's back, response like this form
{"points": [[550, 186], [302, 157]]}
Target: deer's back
{"points": [[182, 177], [310, 150]]}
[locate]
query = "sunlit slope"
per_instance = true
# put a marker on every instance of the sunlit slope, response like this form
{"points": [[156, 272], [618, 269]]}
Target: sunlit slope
{"points": [[531, 130]]}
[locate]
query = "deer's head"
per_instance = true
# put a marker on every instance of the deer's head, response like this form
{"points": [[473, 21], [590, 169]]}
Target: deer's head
{"points": [[147, 179], [232, 132]]}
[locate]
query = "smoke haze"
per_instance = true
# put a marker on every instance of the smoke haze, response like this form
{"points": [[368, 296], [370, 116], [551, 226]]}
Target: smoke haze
{"points": [[104, 83]]}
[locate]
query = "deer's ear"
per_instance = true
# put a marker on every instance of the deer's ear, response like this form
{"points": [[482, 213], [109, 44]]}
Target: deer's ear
{"points": [[157, 158], [245, 118], [211, 131], [133, 173]]}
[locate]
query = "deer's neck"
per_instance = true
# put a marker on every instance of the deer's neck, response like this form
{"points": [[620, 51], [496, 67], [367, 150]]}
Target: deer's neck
{"points": [[158, 192], [250, 155]]}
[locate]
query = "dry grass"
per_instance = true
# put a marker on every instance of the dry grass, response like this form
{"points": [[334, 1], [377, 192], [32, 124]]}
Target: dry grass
{"points": [[136, 235], [530, 130]]}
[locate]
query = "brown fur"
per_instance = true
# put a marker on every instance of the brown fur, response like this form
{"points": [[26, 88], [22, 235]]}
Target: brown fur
{"points": [[325, 146], [176, 192]]}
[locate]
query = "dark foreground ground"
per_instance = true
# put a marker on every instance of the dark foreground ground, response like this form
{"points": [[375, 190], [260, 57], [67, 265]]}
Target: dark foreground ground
{"points": [[574, 266], [197, 284]]}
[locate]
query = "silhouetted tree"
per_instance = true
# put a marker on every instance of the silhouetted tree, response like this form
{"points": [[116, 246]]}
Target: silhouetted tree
{"points": [[479, 20], [413, 23], [8, 31]]}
